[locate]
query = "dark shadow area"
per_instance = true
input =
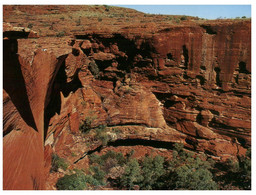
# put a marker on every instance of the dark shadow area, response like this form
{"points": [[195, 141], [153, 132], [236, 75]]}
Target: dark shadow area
{"points": [[75, 52], [130, 142], [125, 45], [192, 141], [217, 71], [102, 65], [162, 96], [217, 125], [60, 85], [242, 68], [199, 118], [170, 57], [144, 142], [238, 177], [202, 67], [169, 103], [209, 29], [14, 83], [242, 141], [15, 34], [98, 149], [185, 54], [201, 79]]}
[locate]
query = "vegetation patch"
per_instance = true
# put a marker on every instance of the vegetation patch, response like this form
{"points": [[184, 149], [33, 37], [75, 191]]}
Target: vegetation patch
{"points": [[58, 162], [186, 171]]}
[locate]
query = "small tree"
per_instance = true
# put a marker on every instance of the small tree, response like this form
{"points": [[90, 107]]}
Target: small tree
{"points": [[183, 18], [152, 170], [188, 172], [58, 162], [132, 174], [86, 125], [72, 182]]}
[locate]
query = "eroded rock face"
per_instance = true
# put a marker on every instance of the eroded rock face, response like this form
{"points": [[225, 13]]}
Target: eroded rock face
{"points": [[26, 90], [188, 84]]}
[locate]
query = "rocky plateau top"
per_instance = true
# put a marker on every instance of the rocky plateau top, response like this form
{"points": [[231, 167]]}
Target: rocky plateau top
{"points": [[172, 79]]}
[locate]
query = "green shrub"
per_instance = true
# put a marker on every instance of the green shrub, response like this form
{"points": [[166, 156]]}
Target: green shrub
{"points": [[93, 67], [58, 162], [132, 175], [188, 172], [89, 179], [183, 18], [80, 181], [100, 160], [191, 178], [60, 34], [239, 172], [101, 134], [152, 170], [107, 7], [98, 174], [177, 20], [86, 125], [75, 181]]}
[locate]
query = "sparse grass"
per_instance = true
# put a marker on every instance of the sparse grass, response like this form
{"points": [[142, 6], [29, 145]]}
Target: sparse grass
{"points": [[86, 125]]}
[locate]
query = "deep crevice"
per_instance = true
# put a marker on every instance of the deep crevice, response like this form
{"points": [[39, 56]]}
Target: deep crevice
{"points": [[185, 54], [60, 85], [14, 83], [217, 71]]}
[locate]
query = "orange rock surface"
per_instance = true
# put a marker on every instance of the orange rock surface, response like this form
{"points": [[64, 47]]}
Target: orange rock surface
{"points": [[148, 76]]}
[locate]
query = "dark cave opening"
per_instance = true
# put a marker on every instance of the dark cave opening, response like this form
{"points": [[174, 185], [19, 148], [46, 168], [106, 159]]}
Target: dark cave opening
{"points": [[242, 68], [209, 29], [217, 71], [185, 54]]}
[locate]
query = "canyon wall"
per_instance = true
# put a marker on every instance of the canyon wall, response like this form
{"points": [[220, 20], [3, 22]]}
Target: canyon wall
{"points": [[188, 84]]}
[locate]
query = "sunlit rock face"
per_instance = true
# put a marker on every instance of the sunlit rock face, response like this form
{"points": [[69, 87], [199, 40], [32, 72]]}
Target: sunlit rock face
{"points": [[187, 83]]}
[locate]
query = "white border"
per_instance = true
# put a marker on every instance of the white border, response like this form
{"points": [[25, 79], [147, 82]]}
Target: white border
{"points": [[149, 2]]}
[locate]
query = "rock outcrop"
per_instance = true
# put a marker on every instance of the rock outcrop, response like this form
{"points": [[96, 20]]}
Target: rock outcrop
{"points": [[187, 83]]}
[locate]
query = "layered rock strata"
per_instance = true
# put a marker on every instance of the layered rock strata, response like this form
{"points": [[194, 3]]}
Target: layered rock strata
{"points": [[187, 84]]}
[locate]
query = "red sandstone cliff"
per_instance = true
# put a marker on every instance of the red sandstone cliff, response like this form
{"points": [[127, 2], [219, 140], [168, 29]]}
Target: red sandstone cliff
{"points": [[187, 82]]}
